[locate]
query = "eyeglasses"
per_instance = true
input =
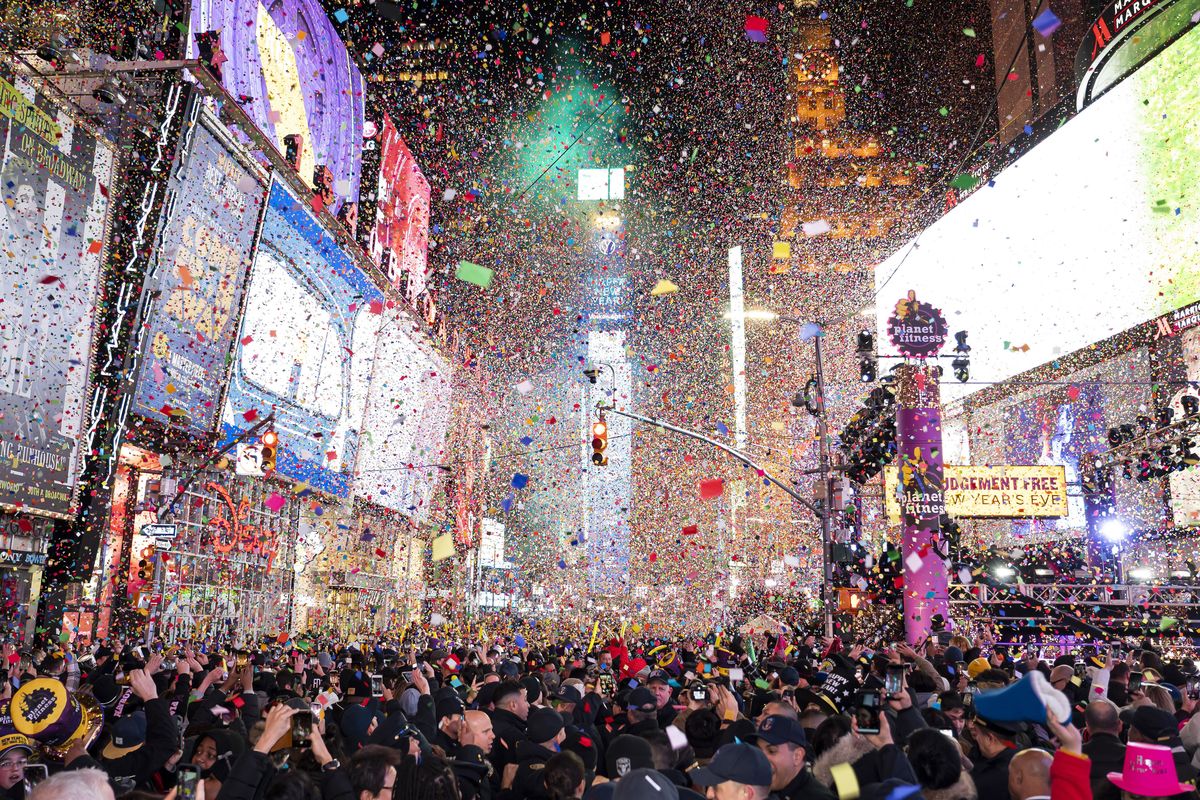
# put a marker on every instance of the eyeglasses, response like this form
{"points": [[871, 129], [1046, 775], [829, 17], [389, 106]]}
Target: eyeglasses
{"points": [[20, 763]]}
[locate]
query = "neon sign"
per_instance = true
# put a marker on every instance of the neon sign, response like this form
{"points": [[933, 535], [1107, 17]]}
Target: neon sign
{"points": [[230, 529]]}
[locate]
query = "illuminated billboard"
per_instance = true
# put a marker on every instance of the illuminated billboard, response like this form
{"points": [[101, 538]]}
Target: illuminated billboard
{"points": [[399, 240], [1090, 233], [285, 64], [398, 447], [602, 184], [1001, 492], [55, 177], [204, 253], [307, 347]]}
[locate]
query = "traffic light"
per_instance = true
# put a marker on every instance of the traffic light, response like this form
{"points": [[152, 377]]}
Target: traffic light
{"points": [[867, 368], [962, 361], [145, 565], [270, 446], [599, 443]]}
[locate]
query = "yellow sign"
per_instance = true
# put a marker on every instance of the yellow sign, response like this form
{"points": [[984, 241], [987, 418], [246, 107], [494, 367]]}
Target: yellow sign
{"points": [[1013, 492], [15, 106]]}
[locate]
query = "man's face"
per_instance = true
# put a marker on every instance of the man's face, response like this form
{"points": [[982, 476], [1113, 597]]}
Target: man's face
{"points": [[786, 762], [605, 660], [958, 719], [12, 768], [725, 791], [520, 705], [662, 693], [481, 727]]}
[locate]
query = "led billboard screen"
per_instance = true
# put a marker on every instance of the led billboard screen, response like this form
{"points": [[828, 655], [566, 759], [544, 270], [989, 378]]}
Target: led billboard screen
{"points": [[307, 347], [400, 237], [204, 256], [285, 63], [1090, 233], [55, 177], [399, 401]]}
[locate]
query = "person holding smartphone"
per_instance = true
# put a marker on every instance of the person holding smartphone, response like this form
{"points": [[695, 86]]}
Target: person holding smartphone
{"points": [[15, 751]]}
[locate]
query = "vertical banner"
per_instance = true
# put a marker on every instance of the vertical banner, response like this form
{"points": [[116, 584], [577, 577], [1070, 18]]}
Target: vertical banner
{"points": [[55, 177], [922, 502], [205, 247]]}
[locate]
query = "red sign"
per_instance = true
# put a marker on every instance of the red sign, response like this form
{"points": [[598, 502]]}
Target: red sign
{"points": [[230, 529], [400, 238]]}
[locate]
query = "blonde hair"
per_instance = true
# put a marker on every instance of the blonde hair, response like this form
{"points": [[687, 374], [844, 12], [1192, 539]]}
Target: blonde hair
{"points": [[961, 642]]}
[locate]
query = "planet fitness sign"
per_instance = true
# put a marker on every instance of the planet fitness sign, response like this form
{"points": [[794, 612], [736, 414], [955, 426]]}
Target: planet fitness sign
{"points": [[916, 329]]}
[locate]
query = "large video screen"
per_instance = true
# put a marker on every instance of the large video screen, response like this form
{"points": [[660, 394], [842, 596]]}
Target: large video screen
{"points": [[55, 178], [203, 259], [400, 237], [287, 66], [1090, 233], [396, 405], [307, 347], [1060, 423]]}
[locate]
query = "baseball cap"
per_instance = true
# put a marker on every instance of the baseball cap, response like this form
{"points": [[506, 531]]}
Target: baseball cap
{"points": [[642, 699], [645, 784], [660, 675], [789, 676], [738, 762], [568, 694], [1155, 724], [778, 729], [128, 735]]}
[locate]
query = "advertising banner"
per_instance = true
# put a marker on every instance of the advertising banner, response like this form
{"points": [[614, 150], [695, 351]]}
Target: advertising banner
{"points": [[1009, 492], [204, 256], [400, 239], [55, 179], [919, 456], [286, 61], [307, 347], [396, 404]]}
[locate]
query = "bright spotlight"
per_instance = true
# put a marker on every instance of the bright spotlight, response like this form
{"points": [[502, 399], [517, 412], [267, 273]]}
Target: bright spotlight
{"points": [[1003, 572], [1141, 574], [1114, 530]]}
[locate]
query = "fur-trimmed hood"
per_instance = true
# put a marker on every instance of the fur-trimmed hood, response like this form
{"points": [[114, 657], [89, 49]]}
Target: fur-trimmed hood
{"points": [[849, 748]]}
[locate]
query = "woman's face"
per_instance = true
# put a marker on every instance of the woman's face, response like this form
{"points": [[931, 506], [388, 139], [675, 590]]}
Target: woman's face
{"points": [[206, 753], [12, 768]]}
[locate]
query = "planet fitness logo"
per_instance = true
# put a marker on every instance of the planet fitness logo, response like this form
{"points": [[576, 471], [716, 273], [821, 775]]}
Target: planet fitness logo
{"points": [[38, 705], [916, 329]]}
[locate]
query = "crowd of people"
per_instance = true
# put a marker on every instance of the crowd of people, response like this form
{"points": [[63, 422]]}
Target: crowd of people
{"points": [[794, 718]]}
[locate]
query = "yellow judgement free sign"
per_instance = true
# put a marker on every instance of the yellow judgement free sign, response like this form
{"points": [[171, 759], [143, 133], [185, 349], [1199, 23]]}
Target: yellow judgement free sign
{"points": [[1007, 491]]}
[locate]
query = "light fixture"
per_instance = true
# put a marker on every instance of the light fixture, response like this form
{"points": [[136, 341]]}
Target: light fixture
{"points": [[1114, 529], [1141, 574], [110, 93], [1004, 572]]}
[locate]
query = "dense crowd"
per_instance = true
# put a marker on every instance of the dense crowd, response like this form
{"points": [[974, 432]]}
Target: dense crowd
{"points": [[781, 716]]}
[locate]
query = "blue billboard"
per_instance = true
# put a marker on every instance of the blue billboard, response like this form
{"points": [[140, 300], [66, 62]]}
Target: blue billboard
{"points": [[307, 347], [205, 246]]}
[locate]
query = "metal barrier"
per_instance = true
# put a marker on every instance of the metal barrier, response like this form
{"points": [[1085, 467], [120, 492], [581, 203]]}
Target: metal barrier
{"points": [[1097, 603]]}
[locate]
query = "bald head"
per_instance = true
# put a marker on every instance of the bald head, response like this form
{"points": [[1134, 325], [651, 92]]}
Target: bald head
{"points": [[1029, 775], [479, 731], [1102, 716]]}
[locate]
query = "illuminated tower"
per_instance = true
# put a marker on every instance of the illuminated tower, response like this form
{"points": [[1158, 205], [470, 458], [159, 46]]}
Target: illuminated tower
{"points": [[841, 176]]}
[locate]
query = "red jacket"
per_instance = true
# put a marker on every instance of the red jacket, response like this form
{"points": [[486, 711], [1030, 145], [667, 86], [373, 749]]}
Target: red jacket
{"points": [[1070, 777]]}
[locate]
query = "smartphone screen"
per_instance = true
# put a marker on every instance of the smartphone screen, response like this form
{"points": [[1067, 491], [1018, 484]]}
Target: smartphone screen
{"points": [[867, 713], [1193, 688], [893, 682], [376, 686], [1135, 682], [33, 775], [187, 776], [302, 722]]}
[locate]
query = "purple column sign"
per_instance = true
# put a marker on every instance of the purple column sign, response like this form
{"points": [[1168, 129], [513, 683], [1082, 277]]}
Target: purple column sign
{"points": [[919, 456]]}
